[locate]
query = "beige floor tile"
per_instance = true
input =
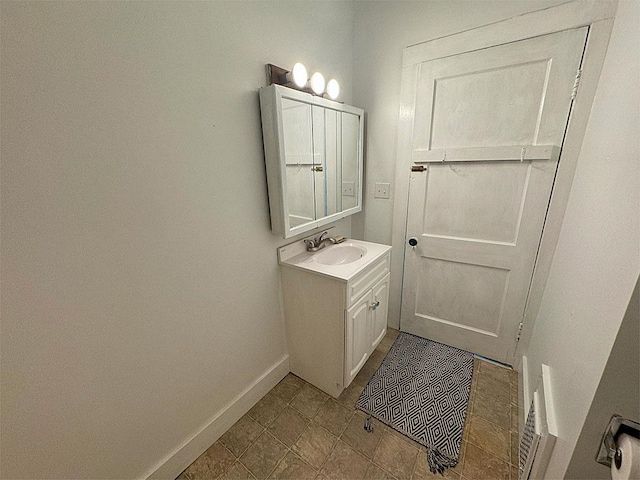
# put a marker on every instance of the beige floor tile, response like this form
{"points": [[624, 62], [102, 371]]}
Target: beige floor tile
{"points": [[489, 437], [288, 426], [501, 391], [241, 435], [292, 467], [514, 417], [388, 340], [499, 373], [350, 395], [369, 368], [515, 448], [392, 333], [458, 468], [314, 445], [309, 401], [472, 396], [359, 439], [395, 456], [404, 438], [488, 408], [288, 387], [263, 456], [345, 463], [211, 464], [237, 472], [376, 473], [334, 417], [514, 394], [267, 409], [422, 472], [480, 465]]}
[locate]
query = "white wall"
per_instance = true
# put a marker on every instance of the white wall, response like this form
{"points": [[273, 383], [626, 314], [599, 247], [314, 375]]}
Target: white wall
{"points": [[618, 393], [597, 258], [140, 288]]}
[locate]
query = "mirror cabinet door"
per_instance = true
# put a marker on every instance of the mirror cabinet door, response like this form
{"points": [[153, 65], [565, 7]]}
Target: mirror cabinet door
{"points": [[300, 161], [350, 157], [327, 145], [314, 159]]}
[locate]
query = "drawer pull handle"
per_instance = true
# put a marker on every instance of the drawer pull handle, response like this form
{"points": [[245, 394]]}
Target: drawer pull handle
{"points": [[373, 306]]}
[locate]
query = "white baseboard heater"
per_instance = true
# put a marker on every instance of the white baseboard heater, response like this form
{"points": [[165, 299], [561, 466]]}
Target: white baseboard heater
{"points": [[540, 431]]}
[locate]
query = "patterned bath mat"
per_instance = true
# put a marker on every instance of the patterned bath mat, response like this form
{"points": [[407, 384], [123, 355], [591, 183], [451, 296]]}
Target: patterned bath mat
{"points": [[422, 390]]}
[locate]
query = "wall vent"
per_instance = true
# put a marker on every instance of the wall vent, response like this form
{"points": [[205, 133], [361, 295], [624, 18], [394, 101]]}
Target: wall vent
{"points": [[540, 431]]}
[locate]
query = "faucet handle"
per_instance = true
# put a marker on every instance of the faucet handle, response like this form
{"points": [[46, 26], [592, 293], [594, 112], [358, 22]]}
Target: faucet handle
{"points": [[310, 243], [319, 239]]}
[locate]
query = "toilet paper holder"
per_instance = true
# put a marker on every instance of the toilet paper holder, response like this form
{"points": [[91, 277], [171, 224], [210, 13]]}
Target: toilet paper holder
{"points": [[618, 425]]}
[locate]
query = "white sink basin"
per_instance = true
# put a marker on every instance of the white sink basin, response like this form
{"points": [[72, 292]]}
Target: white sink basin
{"points": [[342, 261], [340, 254]]}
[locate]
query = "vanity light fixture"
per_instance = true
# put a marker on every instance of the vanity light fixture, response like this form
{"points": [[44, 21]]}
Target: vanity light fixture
{"points": [[298, 75], [317, 83], [297, 78], [333, 89]]}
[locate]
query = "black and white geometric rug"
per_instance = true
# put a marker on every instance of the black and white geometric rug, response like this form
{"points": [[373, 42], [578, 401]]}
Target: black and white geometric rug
{"points": [[422, 390]]}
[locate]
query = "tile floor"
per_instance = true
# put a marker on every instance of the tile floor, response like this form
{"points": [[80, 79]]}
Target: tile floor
{"points": [[298, 432]]}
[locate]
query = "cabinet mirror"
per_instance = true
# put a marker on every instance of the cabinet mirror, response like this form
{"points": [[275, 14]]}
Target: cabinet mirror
{"points": [[313, 153]]}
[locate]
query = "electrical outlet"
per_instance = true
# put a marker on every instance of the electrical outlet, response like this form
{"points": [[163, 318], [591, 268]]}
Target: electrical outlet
{"points": [[382, 190], [348, 189]]}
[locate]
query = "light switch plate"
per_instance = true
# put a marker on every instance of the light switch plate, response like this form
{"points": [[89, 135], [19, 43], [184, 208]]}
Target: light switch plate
{"points": [[348, 189], [382, 190]]}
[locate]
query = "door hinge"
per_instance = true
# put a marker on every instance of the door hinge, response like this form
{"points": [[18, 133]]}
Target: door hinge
{"points": [[576, 82], [418, 168], [519, 330]]}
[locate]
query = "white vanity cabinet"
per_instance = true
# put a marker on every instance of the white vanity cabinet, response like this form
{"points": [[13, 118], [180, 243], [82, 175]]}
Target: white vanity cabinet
{"points": [[335, 315], [365, 326]]}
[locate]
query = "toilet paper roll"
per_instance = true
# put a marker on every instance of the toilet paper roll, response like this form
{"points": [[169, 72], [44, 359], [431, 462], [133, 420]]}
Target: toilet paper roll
{"points": [[629, 450]]}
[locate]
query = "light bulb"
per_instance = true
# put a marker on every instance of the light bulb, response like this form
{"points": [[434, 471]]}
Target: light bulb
{"points": [[317, 83], [298, 75], [333, 89]]}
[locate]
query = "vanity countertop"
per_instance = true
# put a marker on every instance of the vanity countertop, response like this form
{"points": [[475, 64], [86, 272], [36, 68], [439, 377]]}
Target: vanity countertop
{"points": [[295, 255]]}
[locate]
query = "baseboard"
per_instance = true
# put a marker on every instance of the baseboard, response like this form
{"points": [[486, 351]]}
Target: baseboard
{"points": [[524, 395], [219, 423]]}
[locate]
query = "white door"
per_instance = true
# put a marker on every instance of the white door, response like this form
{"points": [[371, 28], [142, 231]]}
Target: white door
{"points": [[488, 129]]}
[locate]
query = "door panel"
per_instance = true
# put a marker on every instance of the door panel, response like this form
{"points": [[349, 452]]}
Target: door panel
{"points": [[480, 202], [478, 210], [357, 338], [513, 94], [379, 314], [510, 92]]}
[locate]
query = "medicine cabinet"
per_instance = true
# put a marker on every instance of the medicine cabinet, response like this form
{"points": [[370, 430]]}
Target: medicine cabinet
{"points": [[313, 154]]}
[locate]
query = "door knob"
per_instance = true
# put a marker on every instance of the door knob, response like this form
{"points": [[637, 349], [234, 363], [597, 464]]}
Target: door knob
{"points": [[413, 241]]}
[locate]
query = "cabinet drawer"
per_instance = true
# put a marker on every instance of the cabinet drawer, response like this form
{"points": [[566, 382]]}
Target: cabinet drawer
{"points": [[365, 280]]}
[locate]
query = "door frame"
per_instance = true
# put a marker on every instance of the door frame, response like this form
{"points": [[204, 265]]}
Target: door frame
{"points": [[598, 16]]}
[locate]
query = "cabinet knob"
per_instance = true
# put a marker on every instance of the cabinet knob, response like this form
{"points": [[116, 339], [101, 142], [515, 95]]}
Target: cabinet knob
{"points": [[317, 169], [375, 305]]}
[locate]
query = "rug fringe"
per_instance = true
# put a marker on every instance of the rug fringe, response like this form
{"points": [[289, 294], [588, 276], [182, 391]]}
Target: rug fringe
{"points": [[439, 462]]}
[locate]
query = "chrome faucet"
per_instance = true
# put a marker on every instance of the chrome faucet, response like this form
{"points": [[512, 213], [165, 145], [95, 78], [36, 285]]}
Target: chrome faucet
{"points": [[315, 244]]}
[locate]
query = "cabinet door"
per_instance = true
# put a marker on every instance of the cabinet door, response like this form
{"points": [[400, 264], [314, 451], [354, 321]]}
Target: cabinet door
{"points": [[357, 338], [380, 307]]}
